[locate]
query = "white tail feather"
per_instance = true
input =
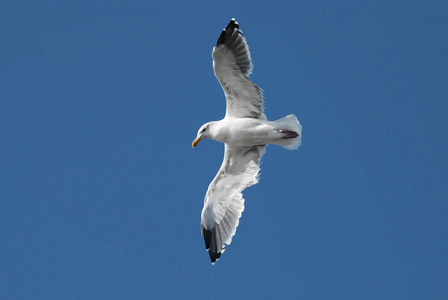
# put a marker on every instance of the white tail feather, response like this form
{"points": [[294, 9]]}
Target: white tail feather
{"points": [[291, 123]]}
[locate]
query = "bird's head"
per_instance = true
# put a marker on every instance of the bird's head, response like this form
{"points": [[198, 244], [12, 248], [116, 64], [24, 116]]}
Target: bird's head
{"points": [[203, 133]]}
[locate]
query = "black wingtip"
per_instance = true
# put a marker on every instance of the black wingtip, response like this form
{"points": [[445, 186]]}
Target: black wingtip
{"points": [[210, 245], [222, 38], [214, 257], [228, 32], [232, 25], [207, 238]]}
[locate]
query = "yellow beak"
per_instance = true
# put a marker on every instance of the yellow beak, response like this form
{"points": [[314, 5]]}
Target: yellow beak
{"points": [[196, 142]]}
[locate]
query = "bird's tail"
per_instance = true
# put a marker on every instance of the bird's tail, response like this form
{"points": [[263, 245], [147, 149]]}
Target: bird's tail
{"points": [[289, 124]]}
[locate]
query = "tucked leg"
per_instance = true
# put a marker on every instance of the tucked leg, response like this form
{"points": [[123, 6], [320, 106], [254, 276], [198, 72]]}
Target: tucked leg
{"points": [[288, 134]]}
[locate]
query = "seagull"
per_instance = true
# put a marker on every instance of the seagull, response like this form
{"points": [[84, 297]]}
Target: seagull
{"points": [[245, 131]]}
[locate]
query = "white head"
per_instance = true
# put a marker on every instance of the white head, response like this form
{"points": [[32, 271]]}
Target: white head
{"points": [[203, 133]]}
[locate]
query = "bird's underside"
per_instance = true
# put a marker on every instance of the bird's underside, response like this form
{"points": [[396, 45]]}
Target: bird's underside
{"points": [[245, 131]]}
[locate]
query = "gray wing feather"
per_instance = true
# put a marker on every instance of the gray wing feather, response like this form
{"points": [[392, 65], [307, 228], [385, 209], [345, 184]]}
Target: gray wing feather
{"points": [[224, 202], [232, 65]]}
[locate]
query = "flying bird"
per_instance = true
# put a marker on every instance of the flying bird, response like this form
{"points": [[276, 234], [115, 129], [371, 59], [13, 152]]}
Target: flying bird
{"points": [[245, 131]]}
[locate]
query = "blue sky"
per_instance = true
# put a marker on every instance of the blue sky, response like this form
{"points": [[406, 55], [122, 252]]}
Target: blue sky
{"points": [[101, 192]]}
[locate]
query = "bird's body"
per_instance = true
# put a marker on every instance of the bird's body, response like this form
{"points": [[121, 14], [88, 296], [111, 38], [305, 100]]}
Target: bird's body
{"points": [[253, 132], [245, 132]]}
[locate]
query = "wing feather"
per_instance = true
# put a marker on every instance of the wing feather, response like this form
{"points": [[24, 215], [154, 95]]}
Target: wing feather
{"points": [[233, 65], [224, 202]]}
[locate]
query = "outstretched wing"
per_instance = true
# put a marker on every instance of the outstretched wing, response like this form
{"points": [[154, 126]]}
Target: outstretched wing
{"points": [[232, 65], [224, 201]]}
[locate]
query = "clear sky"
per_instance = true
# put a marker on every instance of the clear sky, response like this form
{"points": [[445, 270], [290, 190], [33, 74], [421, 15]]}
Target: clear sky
{"points": [[101, 192]]}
